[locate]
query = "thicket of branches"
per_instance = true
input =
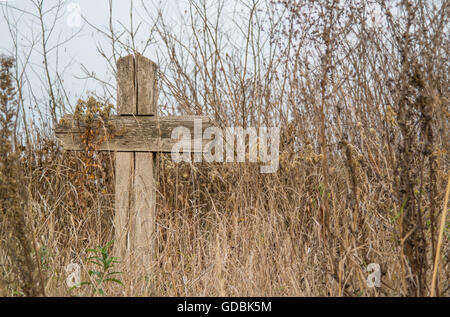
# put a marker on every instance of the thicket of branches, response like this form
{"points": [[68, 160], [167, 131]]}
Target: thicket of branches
{"points": [[360, 91]]}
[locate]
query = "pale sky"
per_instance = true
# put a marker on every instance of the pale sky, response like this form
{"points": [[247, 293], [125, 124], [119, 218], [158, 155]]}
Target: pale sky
{"points": [[82, 49]]}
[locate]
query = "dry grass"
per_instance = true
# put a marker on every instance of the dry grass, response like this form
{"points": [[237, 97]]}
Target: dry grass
{"points": [[229, 230]]}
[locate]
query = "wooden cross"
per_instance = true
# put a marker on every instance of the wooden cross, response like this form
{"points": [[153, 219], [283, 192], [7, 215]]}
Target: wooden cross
{"points": [[141, 134]]}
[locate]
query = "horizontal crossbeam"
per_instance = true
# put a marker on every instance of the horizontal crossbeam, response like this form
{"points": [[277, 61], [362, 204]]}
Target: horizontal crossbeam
{"points": [[132, 133]]}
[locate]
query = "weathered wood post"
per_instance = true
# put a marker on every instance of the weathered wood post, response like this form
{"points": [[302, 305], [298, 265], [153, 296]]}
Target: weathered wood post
{"points": [[135, 205], [142, 133]]}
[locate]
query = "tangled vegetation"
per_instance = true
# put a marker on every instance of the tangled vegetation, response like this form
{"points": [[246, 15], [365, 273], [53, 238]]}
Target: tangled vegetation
{"points": [[363, 106]]}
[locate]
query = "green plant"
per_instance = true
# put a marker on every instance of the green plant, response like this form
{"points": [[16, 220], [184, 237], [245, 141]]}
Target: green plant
{"points": [[105, 264]]}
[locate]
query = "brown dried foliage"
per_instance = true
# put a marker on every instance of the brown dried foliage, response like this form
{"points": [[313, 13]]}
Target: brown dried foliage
{"points": [[364, 158]]}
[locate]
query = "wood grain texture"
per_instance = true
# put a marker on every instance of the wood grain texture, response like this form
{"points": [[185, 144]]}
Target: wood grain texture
{"points": [[144, 208], [137, 85], [123, 202], [126, 88], [146, 85], [133, 133]]}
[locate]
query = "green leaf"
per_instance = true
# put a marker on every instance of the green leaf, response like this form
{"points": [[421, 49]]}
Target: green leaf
{"points": [[79, 284], [96, 258], [114, 273], [95, 273], [114, 280]]}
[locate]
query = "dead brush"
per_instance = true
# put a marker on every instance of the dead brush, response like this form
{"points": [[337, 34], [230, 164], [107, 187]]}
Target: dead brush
{"points": [[363, 110], [19, 237]]}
